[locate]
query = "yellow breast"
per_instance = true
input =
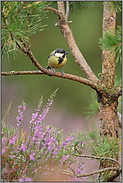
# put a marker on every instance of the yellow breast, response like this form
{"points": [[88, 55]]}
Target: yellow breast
{"points": [[54, 63]]}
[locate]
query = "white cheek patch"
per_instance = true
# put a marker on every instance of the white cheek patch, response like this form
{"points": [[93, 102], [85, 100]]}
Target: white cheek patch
{"points": [[59, 54]]}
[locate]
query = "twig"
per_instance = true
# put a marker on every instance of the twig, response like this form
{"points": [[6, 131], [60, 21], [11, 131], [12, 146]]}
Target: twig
{"points": [[24, 169], [67, 10], [21, 73], [66, 173], [96, 157], [63, 172], [100, 171], [58, 13], [71, 169]]}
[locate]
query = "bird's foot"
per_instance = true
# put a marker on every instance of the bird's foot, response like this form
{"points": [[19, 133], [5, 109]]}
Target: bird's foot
{"points": [[62, 72], [54, 70]]}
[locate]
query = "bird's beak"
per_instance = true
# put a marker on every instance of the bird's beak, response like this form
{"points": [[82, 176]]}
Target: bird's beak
{"points": [[66, 52]]}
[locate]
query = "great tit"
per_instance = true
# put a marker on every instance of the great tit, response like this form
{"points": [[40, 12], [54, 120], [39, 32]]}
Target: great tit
{"points": [[57, 59]]}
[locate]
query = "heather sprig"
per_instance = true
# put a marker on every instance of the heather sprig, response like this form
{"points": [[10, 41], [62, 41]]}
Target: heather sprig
{"points": [[35, 123], [24, 156], [19, 118]]}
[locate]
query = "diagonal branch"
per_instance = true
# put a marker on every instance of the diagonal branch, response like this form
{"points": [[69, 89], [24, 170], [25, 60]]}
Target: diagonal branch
{"points": [[64, 27]]}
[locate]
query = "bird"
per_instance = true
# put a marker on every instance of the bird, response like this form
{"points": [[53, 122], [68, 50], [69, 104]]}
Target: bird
{"points": [[57, 59]]}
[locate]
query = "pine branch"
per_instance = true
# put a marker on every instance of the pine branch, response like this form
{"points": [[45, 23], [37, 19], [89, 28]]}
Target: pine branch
{"points": [[119, 170], [23, 19], [64, 27], [19, 10], [97, 157], [79, 6], [113, 43]]}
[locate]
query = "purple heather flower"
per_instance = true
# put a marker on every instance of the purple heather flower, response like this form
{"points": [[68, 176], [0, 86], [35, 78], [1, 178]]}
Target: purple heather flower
{"points": [[64, 144], [34, 116], [45, 111], [27, 179], [69, 139], [3, 145], [45, 173], [32, 156], [3, 150], [20, 180], [23, 147], [21, 109], [41, 117], [64, 158], [12, 140], [3, 140], [50, 148], [11, 156], [79, 170]]}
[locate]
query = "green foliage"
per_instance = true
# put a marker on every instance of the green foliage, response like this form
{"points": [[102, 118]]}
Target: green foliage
{"points": [[19, 20], [117, 5], [118, 81], [78, 143], [93, 108], [113, 42], [106, 147], [7, 112], [8, 130], [79, 5], [119, 108], [94, 132], [74, 6]]}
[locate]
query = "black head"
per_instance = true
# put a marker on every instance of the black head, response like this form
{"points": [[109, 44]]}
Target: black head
{"points": [[60, 50]]}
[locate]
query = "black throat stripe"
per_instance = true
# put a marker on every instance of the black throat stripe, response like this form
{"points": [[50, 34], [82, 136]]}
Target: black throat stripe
{"points": [[60, 60]]}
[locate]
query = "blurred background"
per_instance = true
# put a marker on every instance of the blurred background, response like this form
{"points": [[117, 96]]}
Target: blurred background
{"points": [[73, 98]]}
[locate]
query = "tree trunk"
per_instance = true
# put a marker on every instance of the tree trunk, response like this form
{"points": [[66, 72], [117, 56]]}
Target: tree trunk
{"points": [[108, 102]]}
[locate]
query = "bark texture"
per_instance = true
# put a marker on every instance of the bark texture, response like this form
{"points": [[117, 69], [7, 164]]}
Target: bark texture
{"points": [[108, 58], [107, 102]]}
